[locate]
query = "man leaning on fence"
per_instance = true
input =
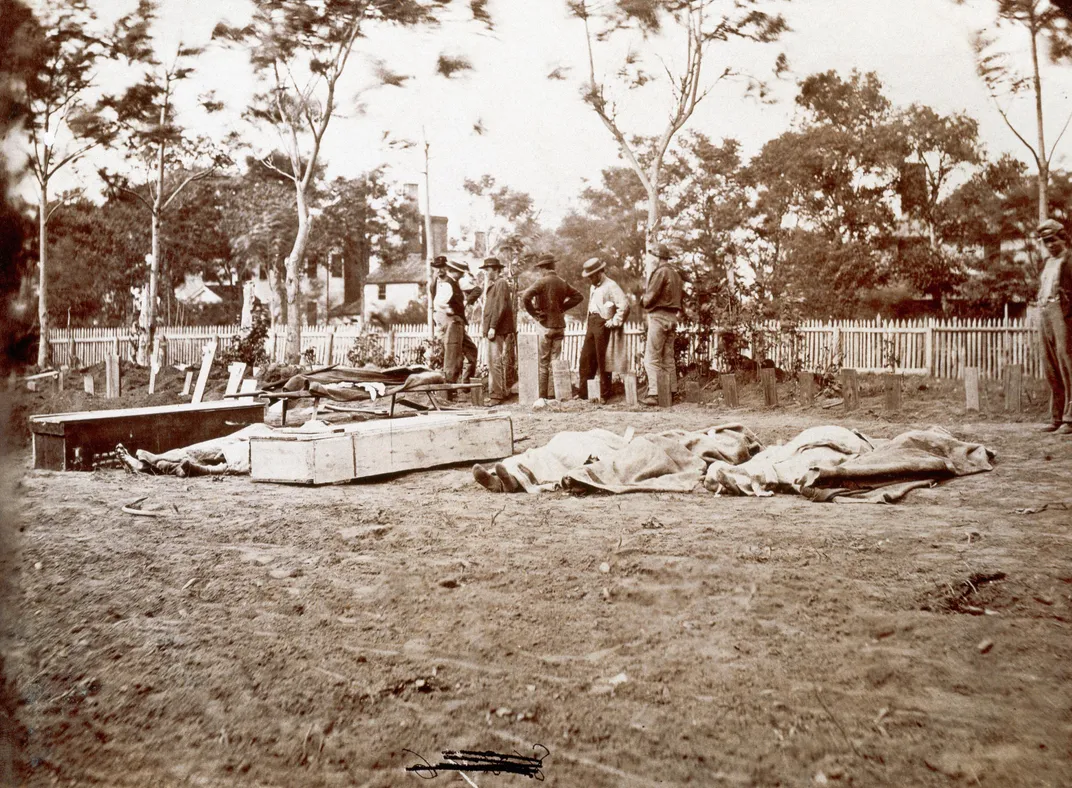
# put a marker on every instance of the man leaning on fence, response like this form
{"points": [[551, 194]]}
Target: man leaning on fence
{"points": [[499, 325], [548, 300], [1055, 323], [662, 300]]}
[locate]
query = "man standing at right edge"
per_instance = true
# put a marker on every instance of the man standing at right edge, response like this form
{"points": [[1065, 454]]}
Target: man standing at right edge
{"points": [[662, 300], [1055, 324]]}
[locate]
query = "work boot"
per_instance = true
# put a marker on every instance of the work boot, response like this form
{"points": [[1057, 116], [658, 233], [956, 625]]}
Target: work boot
{"points": [[1051, 427], [1064, 429], [486, 480], [650, 400], [506, 479]]}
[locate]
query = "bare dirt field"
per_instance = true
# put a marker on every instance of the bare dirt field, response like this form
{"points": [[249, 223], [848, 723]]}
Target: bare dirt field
{"points": [[265, 635]]}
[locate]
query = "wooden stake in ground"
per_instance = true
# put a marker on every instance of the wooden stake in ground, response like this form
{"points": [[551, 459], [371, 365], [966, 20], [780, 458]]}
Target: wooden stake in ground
{"points": [[629, 381], [769, 378], [87, 383], [187, 383], [476, 395], [971, 388], [850, 389], [1014, 378], [112, 381], [206, 366], [528, 369], [563, 383], [892, 385], [594, 391], [155, 364], [807, 387], [729, 390], [235, 372], [692, 391], [666, 396]]}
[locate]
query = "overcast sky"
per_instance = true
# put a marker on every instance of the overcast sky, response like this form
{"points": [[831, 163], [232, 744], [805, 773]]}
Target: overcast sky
{"points": [[537, 134]]}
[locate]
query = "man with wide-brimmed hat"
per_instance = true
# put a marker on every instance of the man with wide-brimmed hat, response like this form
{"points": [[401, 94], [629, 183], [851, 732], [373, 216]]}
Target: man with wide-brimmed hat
{"points": [[499, 326], [448, 314], [547, 300], [662, 300], [607, 309], [1054, 304]]}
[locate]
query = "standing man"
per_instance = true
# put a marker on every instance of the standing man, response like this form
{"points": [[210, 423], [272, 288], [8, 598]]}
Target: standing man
{"points": [[500, 324], [662, 300], [459, 273], [1055, 324], [607, 309], [547, 300], [448, 306]]}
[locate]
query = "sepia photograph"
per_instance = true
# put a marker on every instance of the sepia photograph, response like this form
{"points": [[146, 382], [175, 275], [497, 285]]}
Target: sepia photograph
{"points": [[623, 393]]}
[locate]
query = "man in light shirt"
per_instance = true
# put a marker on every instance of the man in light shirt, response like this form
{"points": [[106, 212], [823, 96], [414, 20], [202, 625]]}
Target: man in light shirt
{"points": [[603, 351], [1055, 323]]}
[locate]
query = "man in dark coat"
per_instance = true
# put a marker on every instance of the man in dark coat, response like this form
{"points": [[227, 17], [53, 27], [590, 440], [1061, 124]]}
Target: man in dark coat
{"points": [[448, 314], [662, 300], [548, 300], [499, 326], [1055, 323]]}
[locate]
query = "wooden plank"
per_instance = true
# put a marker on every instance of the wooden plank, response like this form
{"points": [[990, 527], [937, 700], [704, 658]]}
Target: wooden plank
{"points": [[629, 381], [692, 391], [850, 388], [87, 383], [528, 369], [248, 385], [892, 385], [807, 387], [769, 380], [112, 380], [594, 393], [187, 383], [208, 356], [476, 394], [729, 390], [235, 372], [381, 447], [1014, 374], [666, 397], [563, 382], [971, 388]]}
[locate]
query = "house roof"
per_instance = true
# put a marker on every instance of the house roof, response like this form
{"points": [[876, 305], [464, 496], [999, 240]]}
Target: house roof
{"points": [[409, 271]]}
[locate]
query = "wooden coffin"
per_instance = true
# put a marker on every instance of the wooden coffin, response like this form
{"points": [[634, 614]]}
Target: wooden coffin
{"points": [[374, 448], [72, 441]]}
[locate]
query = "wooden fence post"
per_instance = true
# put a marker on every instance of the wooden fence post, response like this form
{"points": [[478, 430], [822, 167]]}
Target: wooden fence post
{"points": [[850, 388], [807, 387], [1013, 387], [971, 388], [892, 385], [768, 377], [728, 382]]}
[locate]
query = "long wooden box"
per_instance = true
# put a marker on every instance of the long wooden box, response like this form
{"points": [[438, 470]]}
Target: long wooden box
{"points": [[72, 441], [374, 448]]}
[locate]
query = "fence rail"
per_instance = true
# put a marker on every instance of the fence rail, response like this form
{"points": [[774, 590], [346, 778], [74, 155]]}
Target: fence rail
{"points": [[940, 348]]}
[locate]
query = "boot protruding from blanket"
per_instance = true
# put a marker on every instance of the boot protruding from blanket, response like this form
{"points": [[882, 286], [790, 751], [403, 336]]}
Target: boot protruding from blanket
{"points": [[130, 462], [498, 479]]}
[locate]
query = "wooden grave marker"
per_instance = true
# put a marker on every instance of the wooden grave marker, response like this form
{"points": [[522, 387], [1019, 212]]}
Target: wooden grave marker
{"points": [[692, 391], [729, 390], [208, 356], [248, 385], [560, 375], [87, 383], [629, 380], [807, 387], [662, 383], [236, 370], [112, 382], [769, 378], [476, 395], [850, 389], [971, 388], [155, 364], [187, 383], [1014, 374], [528, 369], [892, 384], [595, 393]]}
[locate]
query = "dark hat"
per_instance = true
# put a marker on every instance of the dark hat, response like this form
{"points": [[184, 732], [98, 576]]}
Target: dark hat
{"points": [[546, 260], [1050, 228], [458, 266], [439, 262], [592, 266], [662, 251], [491, 262]]}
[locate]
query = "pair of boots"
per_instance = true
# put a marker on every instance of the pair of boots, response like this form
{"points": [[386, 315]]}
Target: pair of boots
{"points": [[498, 479]]}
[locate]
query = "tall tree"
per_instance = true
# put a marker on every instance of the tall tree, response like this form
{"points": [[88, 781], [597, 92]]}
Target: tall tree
{"points": [[1048, 29], [168, 156], [702, 23], [300, 52], [63, 122]]}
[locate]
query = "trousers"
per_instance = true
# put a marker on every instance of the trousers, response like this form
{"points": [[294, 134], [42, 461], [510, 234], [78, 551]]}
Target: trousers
{"points": [[1056, 336], [594, 355], [498, 367], [550, 351], [659, 351], [459, 352]]}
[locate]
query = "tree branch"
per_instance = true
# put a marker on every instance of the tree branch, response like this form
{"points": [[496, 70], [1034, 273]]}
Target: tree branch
{"points": [[1004, 117], [199, 176], [1063, 130]]}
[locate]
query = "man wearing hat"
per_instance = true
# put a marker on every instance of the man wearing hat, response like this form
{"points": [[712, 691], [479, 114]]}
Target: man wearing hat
{"points": [[499, 325], [607, 310], [1055, 323], [662, 300], [448, 314], [548, 300]]}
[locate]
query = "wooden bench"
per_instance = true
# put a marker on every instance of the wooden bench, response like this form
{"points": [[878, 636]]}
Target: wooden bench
{"points": [[72, 441]]}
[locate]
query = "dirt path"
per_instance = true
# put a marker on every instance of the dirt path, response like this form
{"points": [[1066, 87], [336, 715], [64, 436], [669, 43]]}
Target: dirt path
{"points": [[270, 635]]}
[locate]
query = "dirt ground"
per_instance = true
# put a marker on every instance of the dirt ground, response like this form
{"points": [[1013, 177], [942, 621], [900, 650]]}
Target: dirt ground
{"points": [[266, 635]]}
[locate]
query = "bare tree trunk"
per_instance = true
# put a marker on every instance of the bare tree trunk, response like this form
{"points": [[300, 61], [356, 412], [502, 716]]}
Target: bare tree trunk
{"points": [[652, 227], [294, 261], [43, 347], [1043, 160]]}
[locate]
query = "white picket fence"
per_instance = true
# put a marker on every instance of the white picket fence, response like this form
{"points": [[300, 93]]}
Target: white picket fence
{"points": [[939, 348]]}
